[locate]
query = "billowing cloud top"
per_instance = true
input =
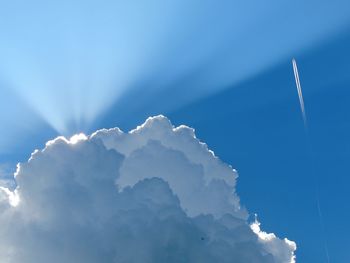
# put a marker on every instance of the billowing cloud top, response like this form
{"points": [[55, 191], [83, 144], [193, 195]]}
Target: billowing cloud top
{"points": [[154, 194]]}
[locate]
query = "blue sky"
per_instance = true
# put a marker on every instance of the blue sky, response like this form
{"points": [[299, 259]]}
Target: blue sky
{"points": [[223, 68]]}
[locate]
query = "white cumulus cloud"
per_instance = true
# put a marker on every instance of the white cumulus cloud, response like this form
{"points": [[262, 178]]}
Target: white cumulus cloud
{"points": [[154, 194]]}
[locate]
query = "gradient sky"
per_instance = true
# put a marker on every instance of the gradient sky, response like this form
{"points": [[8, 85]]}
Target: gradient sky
{"points": [[223, 68]]}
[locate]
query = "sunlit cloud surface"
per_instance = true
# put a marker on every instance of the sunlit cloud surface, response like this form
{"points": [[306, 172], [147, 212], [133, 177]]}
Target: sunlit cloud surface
{"points": [[155, 194]]}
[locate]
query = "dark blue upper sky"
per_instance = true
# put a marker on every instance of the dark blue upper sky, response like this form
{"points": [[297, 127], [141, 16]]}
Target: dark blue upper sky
{"points": [[223, 68]]}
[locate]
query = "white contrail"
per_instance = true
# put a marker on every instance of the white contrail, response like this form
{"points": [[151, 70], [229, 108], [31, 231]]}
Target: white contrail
{"points": [[300, 94], [301, 100]]}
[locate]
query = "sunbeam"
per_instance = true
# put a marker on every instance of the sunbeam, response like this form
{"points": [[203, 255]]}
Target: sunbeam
{"points": [[72, 70], [78, 60]]}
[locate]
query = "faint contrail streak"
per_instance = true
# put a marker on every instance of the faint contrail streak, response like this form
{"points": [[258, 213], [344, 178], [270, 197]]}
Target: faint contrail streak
{"points": [[300, 93], [301, 100]]}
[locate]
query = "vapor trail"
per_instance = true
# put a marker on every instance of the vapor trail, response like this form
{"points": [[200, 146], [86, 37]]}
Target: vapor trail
{"points": [[301, 101], [300, 93]]}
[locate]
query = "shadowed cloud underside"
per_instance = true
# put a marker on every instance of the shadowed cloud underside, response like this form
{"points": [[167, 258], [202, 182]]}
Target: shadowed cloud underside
{"points": [[154, 194]]}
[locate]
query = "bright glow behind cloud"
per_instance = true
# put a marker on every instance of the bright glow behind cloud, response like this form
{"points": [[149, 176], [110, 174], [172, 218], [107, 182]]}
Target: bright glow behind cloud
{"points": [[13, 197], [77, 138], [155, 194], [80, 57]]}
